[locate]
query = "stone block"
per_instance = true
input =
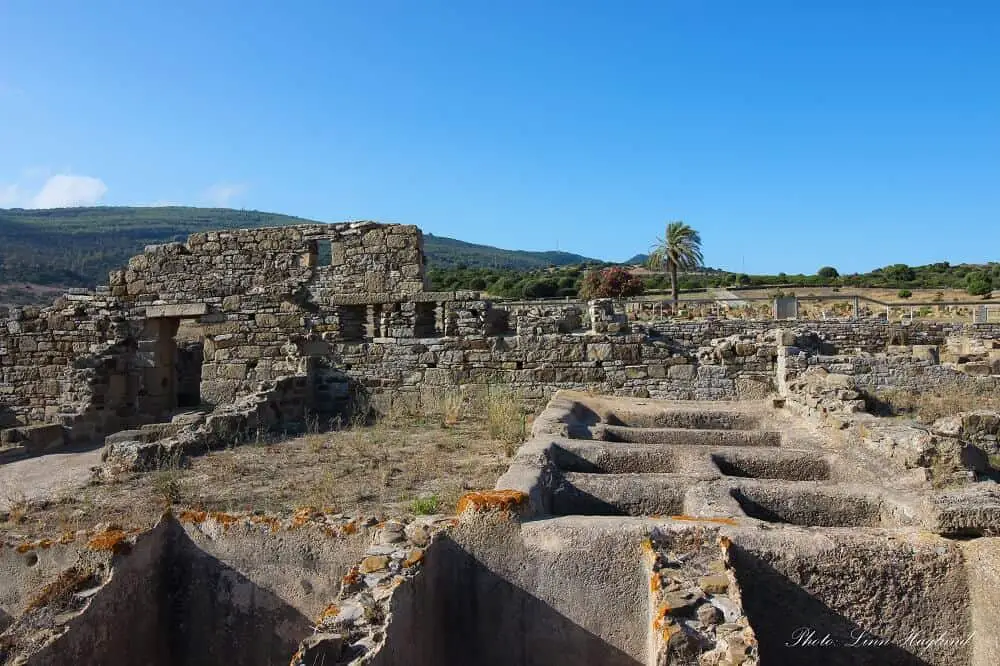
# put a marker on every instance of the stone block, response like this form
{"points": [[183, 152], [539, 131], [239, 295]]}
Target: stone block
{"points": [[681, 372], [599, 352], [636, 372], [178, 310]]}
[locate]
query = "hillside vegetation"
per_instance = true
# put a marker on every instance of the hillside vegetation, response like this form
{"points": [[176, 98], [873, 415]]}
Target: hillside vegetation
{"points": [[76, 247]]}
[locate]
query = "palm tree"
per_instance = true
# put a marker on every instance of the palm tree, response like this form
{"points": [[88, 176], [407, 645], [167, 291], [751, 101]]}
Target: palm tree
{"points": [[679, 249]]}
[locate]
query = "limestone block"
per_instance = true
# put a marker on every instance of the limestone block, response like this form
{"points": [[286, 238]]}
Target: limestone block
{"points": [[681, 372]]}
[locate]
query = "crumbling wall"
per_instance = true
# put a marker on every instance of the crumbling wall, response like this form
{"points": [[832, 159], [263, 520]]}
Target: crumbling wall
{"points": [[347, 303], [366, 257], [69, 364]]}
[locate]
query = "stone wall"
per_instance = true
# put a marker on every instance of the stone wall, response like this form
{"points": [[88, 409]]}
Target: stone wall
{"points": [[344, 304], [537, 366], [69, 364], [365, 257], [866, 335]]}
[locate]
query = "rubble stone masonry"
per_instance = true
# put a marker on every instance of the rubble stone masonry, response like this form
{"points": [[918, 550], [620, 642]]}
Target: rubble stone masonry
{"points": [[345, 306]]}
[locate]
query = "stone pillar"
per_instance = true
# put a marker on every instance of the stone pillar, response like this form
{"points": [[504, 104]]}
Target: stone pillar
{"points": [[786, 307]]}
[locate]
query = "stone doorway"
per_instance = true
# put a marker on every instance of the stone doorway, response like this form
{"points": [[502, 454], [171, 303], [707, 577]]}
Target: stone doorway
{"points": [[170, 356]]}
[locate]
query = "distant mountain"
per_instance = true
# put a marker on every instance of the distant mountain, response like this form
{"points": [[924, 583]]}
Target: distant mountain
{"points": [[636, 260], [77, 247], [448, 253]]}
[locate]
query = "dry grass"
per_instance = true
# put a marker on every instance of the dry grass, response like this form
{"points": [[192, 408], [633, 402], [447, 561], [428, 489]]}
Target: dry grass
{"points": [[452, 408], [506, 421], [931, 405], [397, 465], [17, 505]]}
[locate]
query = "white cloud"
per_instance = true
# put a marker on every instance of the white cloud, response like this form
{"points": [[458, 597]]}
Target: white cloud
{"points": [[64, 190], [58, 191], [223, 195], [10, 195]]}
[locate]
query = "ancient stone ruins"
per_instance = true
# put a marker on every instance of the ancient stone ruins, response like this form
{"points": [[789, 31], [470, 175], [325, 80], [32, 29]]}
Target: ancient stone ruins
{"points": [[713, 493]]}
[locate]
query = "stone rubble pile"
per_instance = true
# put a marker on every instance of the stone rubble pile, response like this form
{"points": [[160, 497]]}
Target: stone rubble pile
{"points": [[698, 618], [352, 628]]}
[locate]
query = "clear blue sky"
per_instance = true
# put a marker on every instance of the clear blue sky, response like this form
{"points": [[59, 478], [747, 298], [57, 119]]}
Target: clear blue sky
{"points": [[792, 134]]}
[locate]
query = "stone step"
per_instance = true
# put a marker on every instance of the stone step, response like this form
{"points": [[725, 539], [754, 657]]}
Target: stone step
{"points": [[688, 436]]}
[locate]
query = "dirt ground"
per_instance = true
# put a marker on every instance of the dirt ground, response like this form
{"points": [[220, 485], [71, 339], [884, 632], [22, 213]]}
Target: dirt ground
{"points": [[395, 467]]}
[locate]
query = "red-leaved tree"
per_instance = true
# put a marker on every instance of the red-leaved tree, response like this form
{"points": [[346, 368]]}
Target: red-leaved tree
{"points": [[612, 282]]}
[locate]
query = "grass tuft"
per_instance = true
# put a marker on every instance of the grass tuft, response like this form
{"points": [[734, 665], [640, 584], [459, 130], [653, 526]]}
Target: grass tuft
{"points": [[426, 506]]}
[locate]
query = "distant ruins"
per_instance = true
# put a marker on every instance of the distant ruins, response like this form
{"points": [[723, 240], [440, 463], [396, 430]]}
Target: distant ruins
{"points": [[626, 531]]}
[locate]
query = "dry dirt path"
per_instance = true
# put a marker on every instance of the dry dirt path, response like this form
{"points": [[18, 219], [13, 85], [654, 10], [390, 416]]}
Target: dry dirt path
{"points": [[40, 477]]}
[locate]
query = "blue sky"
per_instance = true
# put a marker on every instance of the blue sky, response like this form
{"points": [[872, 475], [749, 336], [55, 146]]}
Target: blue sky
{"points": [[791, 134]]}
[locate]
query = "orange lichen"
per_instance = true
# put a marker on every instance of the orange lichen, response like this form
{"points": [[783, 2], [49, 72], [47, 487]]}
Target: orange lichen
{"points": [[25, 547], [330, 611], [352, 577], [196, 517], [655, 582], [696, 519], [415, 557], [270, 521], [350, 528], [491, 500], [224, 519], [662, 619], [303, 515], [111, 540]]}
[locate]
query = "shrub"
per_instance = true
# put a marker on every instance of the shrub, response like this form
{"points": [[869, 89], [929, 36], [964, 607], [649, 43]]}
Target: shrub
{"points": [[541, 289], [828, 273], [904, 293], [978, 283], [167, 486], [899, 273], [612, 282], [567, 282]]}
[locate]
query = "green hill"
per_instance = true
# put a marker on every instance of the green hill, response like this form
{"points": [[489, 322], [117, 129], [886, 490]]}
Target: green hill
{"points": [[76, 247], [449, 253]]}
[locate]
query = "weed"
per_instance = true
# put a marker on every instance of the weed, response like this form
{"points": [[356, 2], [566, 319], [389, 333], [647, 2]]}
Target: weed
{"points": [[452, 408], [167, 486], [167, 479], [17, 506], [505, 419], [315, 442], [425, 506]]}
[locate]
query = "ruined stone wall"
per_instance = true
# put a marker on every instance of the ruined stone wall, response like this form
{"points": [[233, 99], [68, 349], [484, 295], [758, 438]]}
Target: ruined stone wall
{"points": [[345, 304], [68, 364], [365, 257], [881, 372], [537, 366], [844, 336]]}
